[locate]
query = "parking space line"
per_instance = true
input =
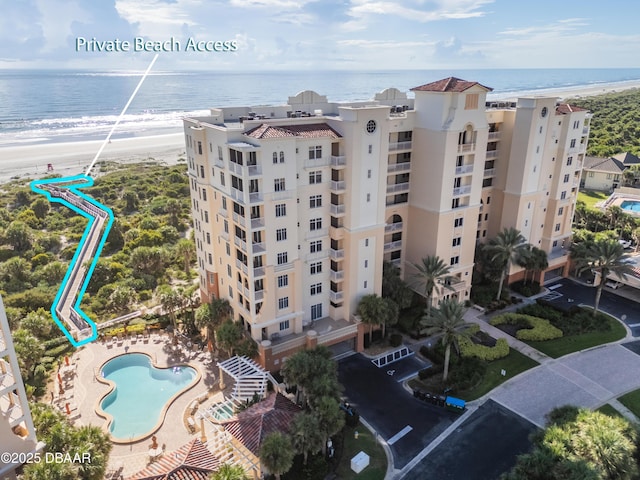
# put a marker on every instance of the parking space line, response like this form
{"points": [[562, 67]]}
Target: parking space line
{"points": [[553, 287], [399, 435], [633, 325]]}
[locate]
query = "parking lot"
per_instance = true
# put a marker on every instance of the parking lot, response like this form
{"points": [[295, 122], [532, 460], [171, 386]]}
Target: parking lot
{"points": [[406, 423]]}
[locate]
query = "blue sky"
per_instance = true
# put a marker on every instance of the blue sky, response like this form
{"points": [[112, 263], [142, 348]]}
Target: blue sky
{"points": [[327, 34]]}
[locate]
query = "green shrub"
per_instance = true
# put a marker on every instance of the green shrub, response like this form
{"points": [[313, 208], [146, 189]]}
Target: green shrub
{"points": [[532, 329], [467, 374], [525, 289], [470, 349], [395, 340], [542, 311]]}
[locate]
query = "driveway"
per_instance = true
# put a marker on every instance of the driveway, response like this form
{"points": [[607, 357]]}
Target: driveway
{"points": [[566, 289], [484, 446], [407, 424]]}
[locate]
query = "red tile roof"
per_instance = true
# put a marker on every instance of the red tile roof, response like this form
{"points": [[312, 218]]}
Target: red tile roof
{"points": [[565, 108], [312, 130], [192, 461], [252, 425], [451, 84]]}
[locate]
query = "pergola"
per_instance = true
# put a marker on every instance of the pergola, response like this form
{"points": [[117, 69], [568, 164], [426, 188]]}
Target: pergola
{"points": [[250, 378]]}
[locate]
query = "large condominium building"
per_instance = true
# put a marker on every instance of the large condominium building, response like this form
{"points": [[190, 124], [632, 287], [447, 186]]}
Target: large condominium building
{"points": [[296, 206], [17, 434]]}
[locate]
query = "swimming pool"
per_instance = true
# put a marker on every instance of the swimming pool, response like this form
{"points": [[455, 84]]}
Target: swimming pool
{"points": [[141, 393], [631, 205]]}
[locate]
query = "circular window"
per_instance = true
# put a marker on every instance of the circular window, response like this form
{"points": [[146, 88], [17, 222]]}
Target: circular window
{"points": [[544, 112], [371, 126]]}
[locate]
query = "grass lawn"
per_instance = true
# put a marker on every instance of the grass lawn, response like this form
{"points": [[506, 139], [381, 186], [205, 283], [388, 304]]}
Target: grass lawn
{"points": [[513, 364], [573, 343], [632, 401], [591, 197], [366, 443], [609, 410]]}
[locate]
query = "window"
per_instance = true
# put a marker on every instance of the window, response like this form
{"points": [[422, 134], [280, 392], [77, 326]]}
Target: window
{"points": [[471, 101], [316, 288], [315, 246], [569, 161], [455, 203], [591, 174], [281, 234], [200, 149], [229, 271], [278, 185], [283, 303], [222, 179], [316, 311], [563, 195], [609, 176], [573, 143], [201, 171], [456, 241], [366, 263], [283, 281], [208, 238], [370, 148], [315, 177], [566, 178], [454, 260], [228, 250], [369, 173], [557, 229], [366, 242], [275, 157], [210, 260], [368, 197], [281, 209], [315, 152], [315, 224], [283, 258], [204, 194], [206, 217], [315, 268], [220, 157], [284, 325], [576, 124], [457, 222], [560, 210], [237, 183], [488, 200], [281, 157], [315, 201]]}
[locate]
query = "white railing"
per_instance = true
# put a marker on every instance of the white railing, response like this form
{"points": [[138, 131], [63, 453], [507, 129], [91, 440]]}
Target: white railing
{"points": [[258, 272], [336, 276], [464, 169], [396, 261], [288, 345], [338, 185], [399, 167], [336, 253], [318, 232], [283, 266], [494, 136], [489, 172], [335, 334], [237, 194], [224, 235], [219, 162], [240, 243], [461, 190], [395, 146], [317, 162], [392, 227], [257, 222], [258, 248], [235, 168], [255, 197], [466, 147], [398, 188], [492, 154], [336, 296], [259, 295], [393, 245], [239, 219], [585, 130], [318, 255], [338, 160], [255, 170], [242, 266], [281, 195], [223, 212], [337, 209]]}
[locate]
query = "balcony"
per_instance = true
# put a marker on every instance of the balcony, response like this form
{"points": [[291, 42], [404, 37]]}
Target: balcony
{"points": [[398, 188], [397, 245], [224, 235], [240, 243], [258, 272], [239, 219], [257, 223], [223, 212], [255, 170], [393, 201], [396, 146], [336, 276], [399, 167], [258, 248], [462, 169], [219, 162], [336, 254], [283, 266], [493, 136], [336, 296], [318, 232], [466, 147], [318, 255], [255, 197], [337, 209], [456, 286], [281, 195], [244, 290], [585, 130], [489, 172], [242, 267], [338, 160], [237, 194], [396, 262], [235, 168], [340, 186], [393, 227], [259, 295], [492, 154], [317, 162], [465, 190]]}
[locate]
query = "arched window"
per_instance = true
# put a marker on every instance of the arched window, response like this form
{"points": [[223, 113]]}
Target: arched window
{"points": [[281, 157], [275, 157]]}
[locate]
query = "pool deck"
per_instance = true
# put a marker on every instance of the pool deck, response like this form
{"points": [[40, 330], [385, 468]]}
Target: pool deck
{"points": [[83, 392], [620, 196]]}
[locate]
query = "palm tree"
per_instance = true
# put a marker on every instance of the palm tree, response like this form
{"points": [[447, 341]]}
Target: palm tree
{"points": [[432, 273], [186, 249], [604, 257], [448, 322], [229, 472], [210, 316], [371, 309], [540, 260], [276, 453], [505, 249], [306, 436]]}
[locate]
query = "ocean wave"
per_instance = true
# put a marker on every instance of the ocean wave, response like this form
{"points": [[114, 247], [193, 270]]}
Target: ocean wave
{"points": [[136, 73]]}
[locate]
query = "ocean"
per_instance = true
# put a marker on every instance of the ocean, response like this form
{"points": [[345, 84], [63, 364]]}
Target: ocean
{"points": [[48, 106]]}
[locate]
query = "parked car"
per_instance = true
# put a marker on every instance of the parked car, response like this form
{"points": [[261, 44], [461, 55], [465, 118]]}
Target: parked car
{"points": [[612, 284]]}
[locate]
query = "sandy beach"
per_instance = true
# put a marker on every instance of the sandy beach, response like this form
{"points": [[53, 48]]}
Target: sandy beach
{"points": [[73, 158]]}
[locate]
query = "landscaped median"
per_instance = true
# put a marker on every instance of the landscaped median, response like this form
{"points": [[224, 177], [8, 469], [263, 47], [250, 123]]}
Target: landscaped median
{"points": [[555, 332]]}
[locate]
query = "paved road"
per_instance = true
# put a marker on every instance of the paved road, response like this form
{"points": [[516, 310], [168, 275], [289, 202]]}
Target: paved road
{"points": [[610, 302], [484, 446], [380, 398]]}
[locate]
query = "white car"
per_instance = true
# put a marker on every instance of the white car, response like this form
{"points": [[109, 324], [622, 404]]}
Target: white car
{"points": [[625, 243]]}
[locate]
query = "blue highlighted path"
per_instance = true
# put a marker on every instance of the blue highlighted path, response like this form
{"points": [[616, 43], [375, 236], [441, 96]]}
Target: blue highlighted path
{"points": [[66, 310]]}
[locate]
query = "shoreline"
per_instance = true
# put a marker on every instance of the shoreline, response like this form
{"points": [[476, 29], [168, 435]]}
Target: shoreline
{"points": [[72, 158]]}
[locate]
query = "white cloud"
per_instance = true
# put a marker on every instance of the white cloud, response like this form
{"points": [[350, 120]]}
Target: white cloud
{"points": [[421, 11], [557, 27], [271, 4], [156, 17]]}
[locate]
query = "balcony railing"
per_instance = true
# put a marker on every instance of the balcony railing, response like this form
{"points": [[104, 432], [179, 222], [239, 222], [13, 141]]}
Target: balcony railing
{"points": [[337, 209], [489, 172], [223, 212], [224, 235], [462, 190], [395, 146], [493, 136], [294, 343], [237, 194], [242, 267], [397, 245], [257, 222], [239, 219], [259, 295], [336, 254], [258, 272], [317, 162], [396, 261], [219, 162], [258, 248], [255, 170], [492, 154], [318, 232], [336, 276], [456, 286], [393, 227], [283, 266], [398, 188], [585, 130], [350, 330], [399, 167], [338, 186], [281, 195], [240, 243], [462, 169], [466, 147], [338, 160], [235, 168], [318, 255], [255, 197], [336, 296]]}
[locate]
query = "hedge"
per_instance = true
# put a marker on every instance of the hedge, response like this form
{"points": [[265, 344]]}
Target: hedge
{"points": [[532, 329], [470, 349]]}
